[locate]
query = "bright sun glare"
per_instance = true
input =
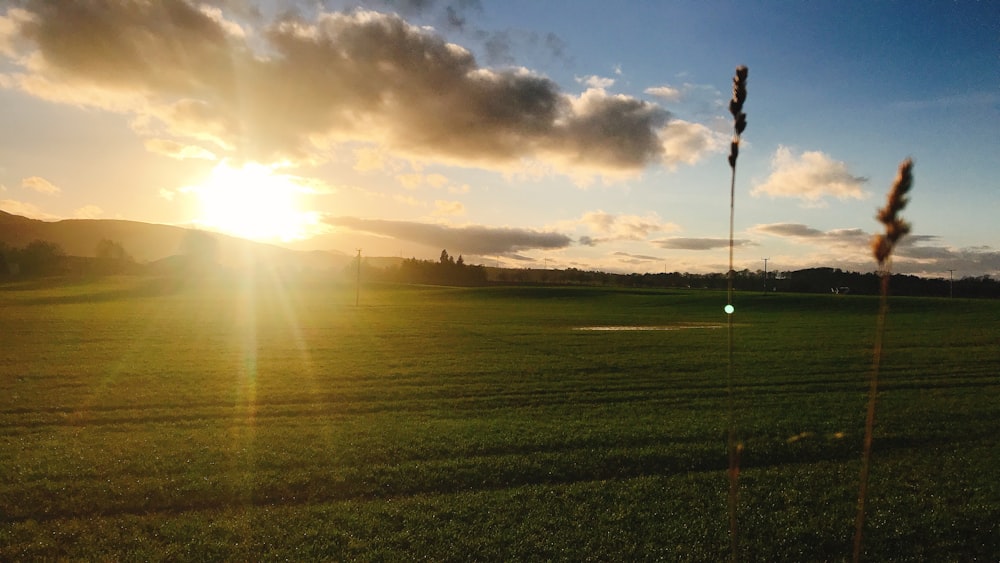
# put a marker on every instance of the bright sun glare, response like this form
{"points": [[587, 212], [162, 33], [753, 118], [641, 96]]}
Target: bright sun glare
{"points": [[252, 202]]}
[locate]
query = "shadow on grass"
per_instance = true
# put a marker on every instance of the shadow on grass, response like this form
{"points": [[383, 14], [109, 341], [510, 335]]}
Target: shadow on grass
{"points": [[496, 468], [156, 287]]}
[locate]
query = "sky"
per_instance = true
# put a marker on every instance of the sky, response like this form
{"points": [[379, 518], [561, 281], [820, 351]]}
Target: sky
{"points": [[557, 134]]}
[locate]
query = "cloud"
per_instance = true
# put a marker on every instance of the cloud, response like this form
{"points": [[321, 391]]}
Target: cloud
{"points": [[594, 81], [416, 180], [88, 212], [795, 230], [810, 176], [40, 185], [665, 92], [850, 249], [636, 258], [177, 150], [296, 87], [442, 207], [914, 256], [499, 46], [936, 261], [687, 243], [468, 240], [612, 227], [694, 99], [982, 99], [26, 210], [687, 143], [852, 237]]}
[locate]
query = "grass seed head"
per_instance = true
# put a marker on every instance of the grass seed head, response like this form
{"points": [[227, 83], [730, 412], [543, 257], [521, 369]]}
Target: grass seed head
{"points": [[895, 227], [736, 108]]}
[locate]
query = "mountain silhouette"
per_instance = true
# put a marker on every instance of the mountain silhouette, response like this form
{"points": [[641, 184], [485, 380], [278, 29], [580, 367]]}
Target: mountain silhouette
{"points": [[151, 242]]}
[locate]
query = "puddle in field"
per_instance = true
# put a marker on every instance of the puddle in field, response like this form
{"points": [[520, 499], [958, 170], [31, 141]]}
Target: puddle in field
{"points": [[627, 328]]}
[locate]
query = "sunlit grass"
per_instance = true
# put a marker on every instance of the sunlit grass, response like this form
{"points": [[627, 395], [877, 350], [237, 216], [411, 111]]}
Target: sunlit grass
{"points": [[457, 424]]}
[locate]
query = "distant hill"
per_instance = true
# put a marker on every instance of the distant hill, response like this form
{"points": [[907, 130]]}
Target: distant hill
{"points": [[150, 242]]}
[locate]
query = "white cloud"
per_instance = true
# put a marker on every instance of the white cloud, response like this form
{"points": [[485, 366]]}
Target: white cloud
{"points": [[26, 210], [687, 143], [416, 180], [177, 150], [40, 185], [668, 93], [369, 158], [594, 81], [610, 227], [811, 177], [442, 207], [88, 212], [436, 181]]}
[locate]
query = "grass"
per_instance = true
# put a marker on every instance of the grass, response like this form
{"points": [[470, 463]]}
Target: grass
{"points": [[140, 419]]}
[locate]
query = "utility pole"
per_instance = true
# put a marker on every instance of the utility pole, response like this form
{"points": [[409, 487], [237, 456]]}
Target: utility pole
{"points": [[357, 290], [765, 273], [951, 284]]}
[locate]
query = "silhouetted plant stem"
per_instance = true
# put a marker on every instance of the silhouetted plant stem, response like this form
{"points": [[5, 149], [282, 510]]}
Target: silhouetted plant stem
{"points": [[732, 445], [882, 246]]}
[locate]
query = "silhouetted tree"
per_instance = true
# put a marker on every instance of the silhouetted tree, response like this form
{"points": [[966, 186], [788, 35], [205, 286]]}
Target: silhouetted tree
{"points": [[41, 257], [111, 258], [111, 250]]}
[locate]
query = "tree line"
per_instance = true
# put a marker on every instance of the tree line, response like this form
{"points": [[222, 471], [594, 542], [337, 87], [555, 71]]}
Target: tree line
{"points": [[200, 252], [448, 270], [45, 258], [809, 280]]}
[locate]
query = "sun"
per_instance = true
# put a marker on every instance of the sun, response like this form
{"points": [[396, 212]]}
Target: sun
{"points": [[253, 202]]}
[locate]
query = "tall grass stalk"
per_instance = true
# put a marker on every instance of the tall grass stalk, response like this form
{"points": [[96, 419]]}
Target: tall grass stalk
{"points": [[882, 246], [732, 445]]}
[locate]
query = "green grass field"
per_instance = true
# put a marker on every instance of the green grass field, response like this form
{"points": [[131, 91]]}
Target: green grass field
{"points": [[142, 419]]}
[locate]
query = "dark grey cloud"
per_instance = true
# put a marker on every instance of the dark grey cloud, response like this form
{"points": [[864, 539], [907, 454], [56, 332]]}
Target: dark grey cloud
{"points": [[636, 258], [688, 243], [915, 254], [485, 241], [520, 258], [797, 230], [502, 47], [800, 231], [301, 85], [937, 260]]}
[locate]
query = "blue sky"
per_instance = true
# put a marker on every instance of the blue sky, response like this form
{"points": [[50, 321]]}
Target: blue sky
{"points": [[565, 134]]}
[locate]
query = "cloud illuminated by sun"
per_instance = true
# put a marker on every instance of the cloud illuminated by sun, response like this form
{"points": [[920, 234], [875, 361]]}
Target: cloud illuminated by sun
{"points": [[252, 201]]}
